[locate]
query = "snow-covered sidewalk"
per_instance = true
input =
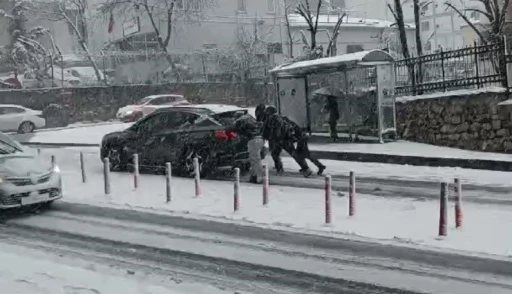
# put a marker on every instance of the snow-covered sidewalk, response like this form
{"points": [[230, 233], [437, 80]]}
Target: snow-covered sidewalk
{"points": [[486, 227], [94, 134], [25, 270], [68, 158]]}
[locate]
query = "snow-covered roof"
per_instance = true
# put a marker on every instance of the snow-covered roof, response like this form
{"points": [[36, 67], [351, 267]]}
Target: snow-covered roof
{"points": [[335, 62], [327, 20]]}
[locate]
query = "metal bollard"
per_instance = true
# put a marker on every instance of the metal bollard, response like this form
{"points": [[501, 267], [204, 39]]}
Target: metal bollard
{"points": [[135, 171], [236, 194], [82, 167], [265, 184], [352, 194], [168, 179], [328, 189], [197, 177], [106, 175], [38, 151], [457, 189], [443, 209], [53, 160]]}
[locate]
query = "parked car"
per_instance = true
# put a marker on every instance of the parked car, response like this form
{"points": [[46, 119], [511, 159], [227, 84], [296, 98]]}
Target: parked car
{"points": [[20, 119], [147, 105], [177, 135], [61, 78], [25, 177]]}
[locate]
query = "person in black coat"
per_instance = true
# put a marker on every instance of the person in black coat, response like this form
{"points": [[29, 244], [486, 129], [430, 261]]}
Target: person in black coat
{"points": [[281, 136]]}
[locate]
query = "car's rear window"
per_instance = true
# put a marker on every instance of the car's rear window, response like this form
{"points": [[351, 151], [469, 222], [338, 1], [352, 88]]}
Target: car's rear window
{"points": [[228, 118]]}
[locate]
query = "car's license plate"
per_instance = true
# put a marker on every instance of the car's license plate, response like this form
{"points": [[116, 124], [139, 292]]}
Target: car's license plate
{"points": [[34, 198]]}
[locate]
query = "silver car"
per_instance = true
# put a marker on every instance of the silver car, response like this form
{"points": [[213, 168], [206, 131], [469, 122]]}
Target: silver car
{"points": [[25, 178]]}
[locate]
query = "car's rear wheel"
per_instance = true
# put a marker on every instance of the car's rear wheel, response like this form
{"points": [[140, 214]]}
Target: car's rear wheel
{"points": [[115, 159], [188, 168], [26, 127]]}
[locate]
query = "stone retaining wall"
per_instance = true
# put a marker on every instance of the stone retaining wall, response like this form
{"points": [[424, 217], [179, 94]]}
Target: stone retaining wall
{"points": [[472, 121], [102, 103]]}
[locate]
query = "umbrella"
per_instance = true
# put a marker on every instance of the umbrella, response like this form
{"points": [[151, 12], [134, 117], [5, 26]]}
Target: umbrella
{"points": [[328, 91]]}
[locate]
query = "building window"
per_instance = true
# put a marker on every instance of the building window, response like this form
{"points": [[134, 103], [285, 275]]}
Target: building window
{"points": [[194, 5], [425, 26], [354, 48], [338, 4], [242, 5], [428, 46], [271, 6]]}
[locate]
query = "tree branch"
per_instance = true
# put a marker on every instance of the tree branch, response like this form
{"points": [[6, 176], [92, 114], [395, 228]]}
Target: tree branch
{"points": [[477, 31]]}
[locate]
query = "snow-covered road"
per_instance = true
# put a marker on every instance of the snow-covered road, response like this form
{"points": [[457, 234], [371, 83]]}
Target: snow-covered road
{"points": [[111, 248]]}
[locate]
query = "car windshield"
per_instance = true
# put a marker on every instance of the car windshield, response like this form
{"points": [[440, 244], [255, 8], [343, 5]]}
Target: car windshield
{"points": [[7, 147], [143, 101]]}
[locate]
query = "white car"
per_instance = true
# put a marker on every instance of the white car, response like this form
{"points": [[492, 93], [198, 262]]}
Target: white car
{"points": [[149, 104], [20, 119]]}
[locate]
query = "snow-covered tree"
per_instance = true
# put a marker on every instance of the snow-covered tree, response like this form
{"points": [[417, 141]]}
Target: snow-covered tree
{"points": [[25, 50], [71, 12]]}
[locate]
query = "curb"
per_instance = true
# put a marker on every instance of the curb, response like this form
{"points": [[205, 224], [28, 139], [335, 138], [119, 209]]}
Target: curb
{"points": [[60, 144], [482, 164]]}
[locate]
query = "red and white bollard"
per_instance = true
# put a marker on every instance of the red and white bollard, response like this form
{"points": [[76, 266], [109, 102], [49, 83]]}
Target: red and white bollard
{"points": [[352, 194], [457, 191], [236, 192], [328, 192], [265, 184], [443, 210], [135, 171], [197, 177]]}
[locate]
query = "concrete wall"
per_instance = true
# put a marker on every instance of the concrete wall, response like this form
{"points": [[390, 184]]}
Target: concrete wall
{"points": [[462, 120], [102, 103]]}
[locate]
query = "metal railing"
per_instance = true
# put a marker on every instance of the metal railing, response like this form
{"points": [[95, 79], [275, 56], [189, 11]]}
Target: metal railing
{"points": [[477, 66]]}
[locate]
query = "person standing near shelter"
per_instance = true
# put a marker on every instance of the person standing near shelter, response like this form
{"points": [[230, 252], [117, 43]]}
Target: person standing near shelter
{"points": [[247, 126], [331, 107]]}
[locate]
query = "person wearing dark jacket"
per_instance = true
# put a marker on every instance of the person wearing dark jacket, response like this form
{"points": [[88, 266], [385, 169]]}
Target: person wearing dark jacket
{"points": [[280, 135], [302, 151], [248, 127], [331, 106]]}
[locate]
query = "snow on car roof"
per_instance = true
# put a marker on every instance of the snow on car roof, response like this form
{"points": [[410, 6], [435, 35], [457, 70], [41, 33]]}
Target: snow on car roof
{"points": [[215, 108], [162, 95], [13, 105]]}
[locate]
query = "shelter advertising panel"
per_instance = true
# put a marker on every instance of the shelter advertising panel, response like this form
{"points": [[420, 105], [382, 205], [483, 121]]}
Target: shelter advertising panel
{"points": [[386, 98], [292, 100]]}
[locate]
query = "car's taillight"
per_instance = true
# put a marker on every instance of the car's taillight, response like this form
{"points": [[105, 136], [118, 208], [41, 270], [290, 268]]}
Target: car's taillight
{"points": [[225, 135]]}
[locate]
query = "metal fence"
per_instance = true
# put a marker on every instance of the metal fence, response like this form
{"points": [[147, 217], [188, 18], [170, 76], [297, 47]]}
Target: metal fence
{"points": [[477, 66]]}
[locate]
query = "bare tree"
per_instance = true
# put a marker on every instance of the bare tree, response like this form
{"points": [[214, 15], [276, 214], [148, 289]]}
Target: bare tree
{"points": [[398, 15], [333, 38], [287, 7], [494, 10], [311, 18], [190, 10]]}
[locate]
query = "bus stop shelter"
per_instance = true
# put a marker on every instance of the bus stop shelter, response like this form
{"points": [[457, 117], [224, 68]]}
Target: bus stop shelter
{"points": [[362, 82]]}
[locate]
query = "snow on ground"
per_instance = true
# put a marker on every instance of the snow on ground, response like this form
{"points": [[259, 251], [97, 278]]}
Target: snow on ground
{"points": [[24, 270], [486, 228], [94, 134]]}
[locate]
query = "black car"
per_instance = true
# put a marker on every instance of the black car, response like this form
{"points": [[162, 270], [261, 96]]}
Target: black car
{"points": [[177, 135]]}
